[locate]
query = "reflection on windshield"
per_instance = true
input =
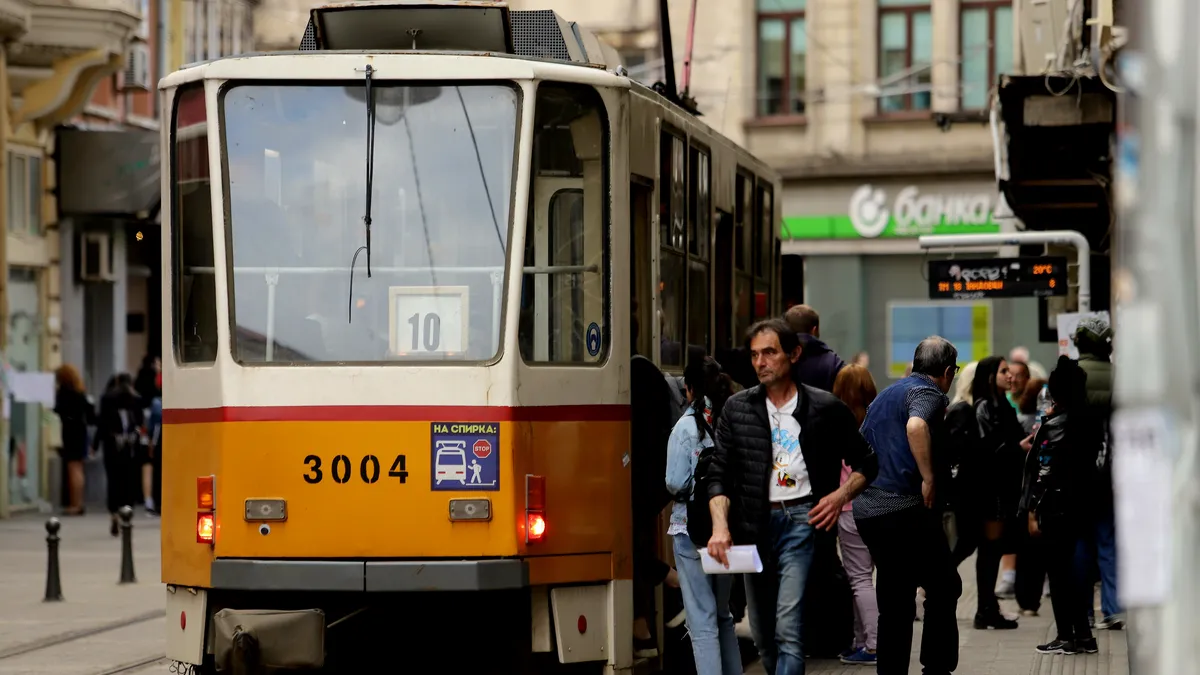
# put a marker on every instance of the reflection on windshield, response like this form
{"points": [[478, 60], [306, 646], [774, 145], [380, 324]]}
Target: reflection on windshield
{"points": [[297, 191]]}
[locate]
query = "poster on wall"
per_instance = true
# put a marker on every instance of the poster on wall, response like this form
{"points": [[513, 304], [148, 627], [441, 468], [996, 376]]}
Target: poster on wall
{"points": [[967, 325], [1067, 323]]}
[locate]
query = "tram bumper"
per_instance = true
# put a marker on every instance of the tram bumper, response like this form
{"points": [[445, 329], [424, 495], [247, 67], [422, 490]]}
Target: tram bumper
{"points": [[372, 576]]}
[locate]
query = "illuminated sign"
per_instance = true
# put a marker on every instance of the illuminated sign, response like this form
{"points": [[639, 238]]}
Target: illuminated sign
{"points": [[997, 278]]}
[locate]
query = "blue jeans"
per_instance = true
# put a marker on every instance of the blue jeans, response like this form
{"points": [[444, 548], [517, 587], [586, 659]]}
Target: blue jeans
{"points": [[1098, 552], [709, 623], [775, 597]]}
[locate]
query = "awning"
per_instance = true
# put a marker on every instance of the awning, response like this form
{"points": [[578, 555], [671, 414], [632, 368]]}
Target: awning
{"points": [[110, 173]]}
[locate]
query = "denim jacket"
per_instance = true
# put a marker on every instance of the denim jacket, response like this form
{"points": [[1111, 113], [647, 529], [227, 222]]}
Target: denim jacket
{"points": [[683, 449]]}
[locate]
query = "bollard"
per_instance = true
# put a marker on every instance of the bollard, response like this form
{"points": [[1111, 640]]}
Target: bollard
{"points": [[126, 515], [53, 584]]}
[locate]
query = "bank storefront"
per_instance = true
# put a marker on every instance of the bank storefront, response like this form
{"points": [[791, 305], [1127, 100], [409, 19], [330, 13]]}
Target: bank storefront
{"points": [[866, 275]]}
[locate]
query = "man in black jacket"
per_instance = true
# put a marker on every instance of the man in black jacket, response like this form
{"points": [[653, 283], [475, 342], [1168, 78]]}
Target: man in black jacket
{"points": [[818, 365], [774, 482]]}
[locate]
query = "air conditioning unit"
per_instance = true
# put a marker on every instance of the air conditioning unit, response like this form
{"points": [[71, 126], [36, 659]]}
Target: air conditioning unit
{"points": [[95, 257], [137, 66], [1042, 23]]}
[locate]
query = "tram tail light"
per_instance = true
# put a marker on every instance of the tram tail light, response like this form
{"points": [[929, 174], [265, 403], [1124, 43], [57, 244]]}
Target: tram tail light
{"points": [[205, 494], [535, 508], [206, 501], [204, 528]]}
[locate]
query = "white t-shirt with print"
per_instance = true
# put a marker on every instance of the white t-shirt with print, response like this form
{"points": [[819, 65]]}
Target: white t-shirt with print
{"points": [[789, 474]]}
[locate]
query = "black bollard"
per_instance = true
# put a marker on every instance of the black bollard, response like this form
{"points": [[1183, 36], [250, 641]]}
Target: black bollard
{"points": [[125, 513], [53, 584]]}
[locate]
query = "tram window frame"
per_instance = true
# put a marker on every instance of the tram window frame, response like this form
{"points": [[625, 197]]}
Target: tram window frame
{"points": [[699, 268], [189, 299], [745, 242], [527, 338], [673, 257]]}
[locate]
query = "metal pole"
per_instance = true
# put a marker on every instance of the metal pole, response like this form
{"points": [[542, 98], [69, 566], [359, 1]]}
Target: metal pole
{"points": [[1063, 237], [126, 515], [53, 579], [1155, 283]]}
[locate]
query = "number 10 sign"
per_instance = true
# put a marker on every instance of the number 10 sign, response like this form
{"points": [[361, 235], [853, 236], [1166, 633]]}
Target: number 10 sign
{"points": [[428, 319]]}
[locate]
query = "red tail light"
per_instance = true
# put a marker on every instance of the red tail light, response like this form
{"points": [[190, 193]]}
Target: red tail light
{"points": [[204, 528], [535, 508]]}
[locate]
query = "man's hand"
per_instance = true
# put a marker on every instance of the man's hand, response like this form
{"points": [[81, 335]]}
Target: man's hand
{"points": [[824, 515], [1027, 444], [719, 544], [927, 493], [1034, 530]]}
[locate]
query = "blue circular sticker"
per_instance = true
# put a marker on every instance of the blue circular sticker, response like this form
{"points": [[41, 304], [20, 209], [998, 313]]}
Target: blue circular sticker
{"points": [[593, 339]]}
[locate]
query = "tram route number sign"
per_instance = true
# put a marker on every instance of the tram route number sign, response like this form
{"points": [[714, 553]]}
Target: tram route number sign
{"points": [[997, 278]]}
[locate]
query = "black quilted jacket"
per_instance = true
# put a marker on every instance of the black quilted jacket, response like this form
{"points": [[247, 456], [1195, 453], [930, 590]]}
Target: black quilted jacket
{"points": [[741, 466]]}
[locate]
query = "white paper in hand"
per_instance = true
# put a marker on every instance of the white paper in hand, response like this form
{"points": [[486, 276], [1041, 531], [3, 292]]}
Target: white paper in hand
{"points": [[742, 560]]}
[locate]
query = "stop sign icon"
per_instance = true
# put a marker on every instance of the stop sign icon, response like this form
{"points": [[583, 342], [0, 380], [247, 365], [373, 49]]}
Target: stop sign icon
{"points": [[482, 448]]}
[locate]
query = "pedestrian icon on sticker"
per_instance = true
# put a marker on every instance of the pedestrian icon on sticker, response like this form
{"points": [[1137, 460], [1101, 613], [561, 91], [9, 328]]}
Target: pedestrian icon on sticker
{"points": [[593, 339]]}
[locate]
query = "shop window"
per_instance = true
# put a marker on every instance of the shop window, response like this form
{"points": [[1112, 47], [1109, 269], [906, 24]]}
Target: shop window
{"points": [[194, 293], [672, 266], [24, 354], [966, 324], [565, 289], [782, 52], [987, 50], [905, 55], [24, 193]]}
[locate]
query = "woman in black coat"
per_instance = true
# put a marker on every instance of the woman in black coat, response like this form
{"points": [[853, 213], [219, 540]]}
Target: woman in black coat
{"points": [[119, 433], [76, 414]]}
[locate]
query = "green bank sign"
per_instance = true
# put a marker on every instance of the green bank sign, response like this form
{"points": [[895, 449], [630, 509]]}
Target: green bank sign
{"points": [[874, 214]]}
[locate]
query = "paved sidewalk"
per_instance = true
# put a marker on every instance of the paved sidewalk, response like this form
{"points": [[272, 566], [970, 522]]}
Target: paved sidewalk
{"points": [[1000, 652], [112, 624]]}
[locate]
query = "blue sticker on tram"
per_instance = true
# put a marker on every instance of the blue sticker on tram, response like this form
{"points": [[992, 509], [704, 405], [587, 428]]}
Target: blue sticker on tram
{"points": [[464, 456], [593, 339]]}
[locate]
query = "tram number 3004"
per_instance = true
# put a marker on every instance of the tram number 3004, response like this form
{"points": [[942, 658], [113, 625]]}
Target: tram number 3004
{"points": [[340, 469]]}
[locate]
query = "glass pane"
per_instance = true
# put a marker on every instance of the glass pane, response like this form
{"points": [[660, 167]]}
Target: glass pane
{"points": [[24, 353], [922, 58], [34, 224], [195, 293], [742, 209], [703, 208], [893, 57], [698, 302], [671, 298], [438, 243], [692, 201], [770, 66], [762, 300], [743, 308], [768, 6], [1002, 41], [678, 193], [16, 192], [665, 145], [566, 238], [975, 58], [766, 214], [798, 54]]}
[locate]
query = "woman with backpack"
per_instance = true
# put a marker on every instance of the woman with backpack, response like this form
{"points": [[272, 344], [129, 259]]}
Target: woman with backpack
{"points": [[705, 597]]}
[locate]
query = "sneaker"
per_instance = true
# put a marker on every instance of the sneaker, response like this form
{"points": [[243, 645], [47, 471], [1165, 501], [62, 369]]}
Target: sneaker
{"points": [[997, 621], [1057, 647], [862, 657], [1088, 646], [1110, 623], [1006, 589]]}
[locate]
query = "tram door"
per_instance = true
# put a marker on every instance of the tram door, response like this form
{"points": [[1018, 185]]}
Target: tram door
{"points": [[559, 293]]}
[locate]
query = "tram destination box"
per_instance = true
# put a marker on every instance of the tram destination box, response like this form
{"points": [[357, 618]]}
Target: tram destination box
{"points": [[997, 278]]}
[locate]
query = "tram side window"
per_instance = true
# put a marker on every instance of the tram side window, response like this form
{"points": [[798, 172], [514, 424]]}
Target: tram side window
{"points": [[743, 309], [765, 227], [699, 221], [194, 302], [565, 289], [672, 260]]}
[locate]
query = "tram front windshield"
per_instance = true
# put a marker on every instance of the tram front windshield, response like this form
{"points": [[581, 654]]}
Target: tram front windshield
{"points": [[296, 185]]}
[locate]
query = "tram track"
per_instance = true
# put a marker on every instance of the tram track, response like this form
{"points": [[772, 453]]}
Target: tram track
{"points": [[136, 665], [71, 636]]}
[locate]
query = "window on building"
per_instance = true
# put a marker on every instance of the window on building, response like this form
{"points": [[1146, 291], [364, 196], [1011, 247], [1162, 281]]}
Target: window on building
{"points": [[24, 193], [782, 50], [987, 49], [194, 292], [905, 55], [565, 289]]}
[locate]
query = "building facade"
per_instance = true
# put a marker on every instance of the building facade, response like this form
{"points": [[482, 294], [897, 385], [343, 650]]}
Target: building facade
{"points": [[54, 55]]}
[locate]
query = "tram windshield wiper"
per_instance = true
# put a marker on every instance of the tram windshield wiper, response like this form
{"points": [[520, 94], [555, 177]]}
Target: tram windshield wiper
{"points": [[370, 179]]}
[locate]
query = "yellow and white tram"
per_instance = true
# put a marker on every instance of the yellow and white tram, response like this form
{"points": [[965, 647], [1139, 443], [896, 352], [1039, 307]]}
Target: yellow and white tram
{"points": [[405, 267]]}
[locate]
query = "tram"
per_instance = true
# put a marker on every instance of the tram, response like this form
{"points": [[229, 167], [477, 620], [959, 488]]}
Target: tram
{"points": [[409, 264]]}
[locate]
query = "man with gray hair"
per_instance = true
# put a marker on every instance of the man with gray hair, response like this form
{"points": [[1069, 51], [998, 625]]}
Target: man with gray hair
{"points": [[897, 518]]}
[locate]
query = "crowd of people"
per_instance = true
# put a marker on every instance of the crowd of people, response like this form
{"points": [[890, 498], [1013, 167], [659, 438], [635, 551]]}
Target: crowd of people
{"points": [[905, 484], [125, 431]]}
